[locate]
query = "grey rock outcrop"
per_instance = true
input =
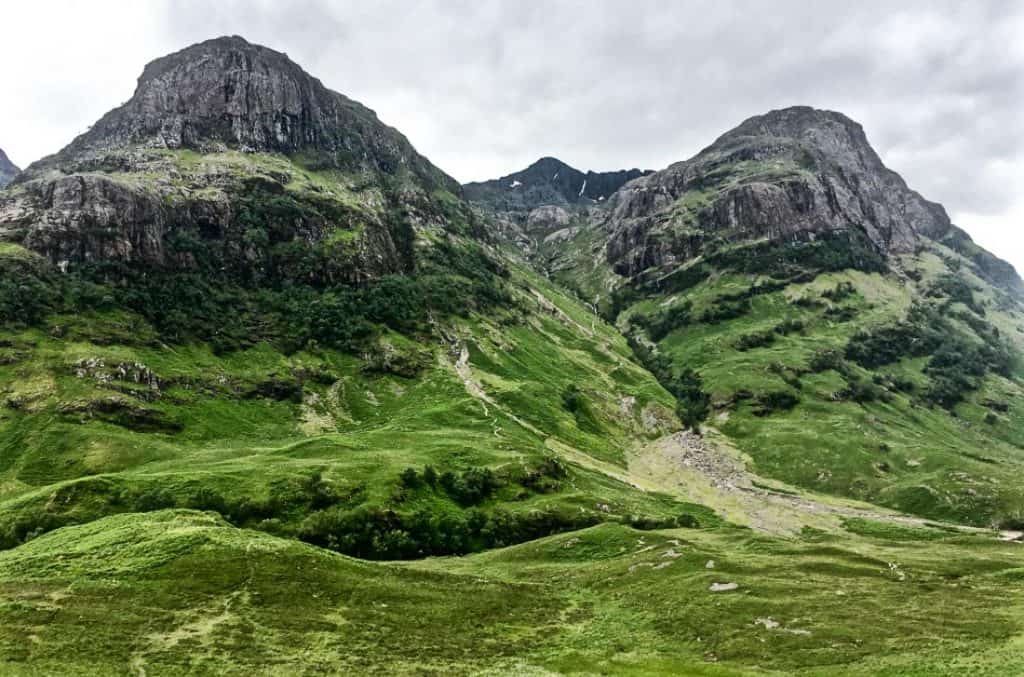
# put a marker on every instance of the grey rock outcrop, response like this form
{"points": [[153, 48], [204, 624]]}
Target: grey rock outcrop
{"points": [[7, 169], [790, 173], [230, 93], [214, 132]]}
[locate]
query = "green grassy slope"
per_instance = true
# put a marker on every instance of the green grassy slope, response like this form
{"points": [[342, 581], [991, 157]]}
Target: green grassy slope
{"points": [[102, 417], [108, 598], [895, 382]]}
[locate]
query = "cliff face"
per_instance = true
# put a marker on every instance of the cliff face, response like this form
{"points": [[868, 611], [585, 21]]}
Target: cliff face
{"points": [[228, 92], [792, 173], [7, 169], [214, 134]]}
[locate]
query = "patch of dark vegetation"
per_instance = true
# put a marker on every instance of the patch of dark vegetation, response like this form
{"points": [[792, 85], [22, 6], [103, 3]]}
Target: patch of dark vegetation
{"points": [[693, 405], [957, 363], [826, 360], [841, 291], [768, 403], [432, 513], [122, 413], [789, 326], [862, 392], [803, 258], [661, 324], [759, 339], [724, 310], [677, 281], [840, 313], [28, 290], [809, 303], [575, 402], [996, 405], [956, 290], [302, 289], [789, 375]]}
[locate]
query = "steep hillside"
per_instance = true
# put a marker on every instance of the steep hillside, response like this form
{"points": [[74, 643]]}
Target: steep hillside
{"points": [[794, 293], [7, 169], [297, 327]]}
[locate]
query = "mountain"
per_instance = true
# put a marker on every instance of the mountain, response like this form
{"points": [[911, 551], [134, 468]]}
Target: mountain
{"points": [[786, 286], [212, 133], [7, 169], [547, 181], [276, 398], [791, 173], [543, 203]]}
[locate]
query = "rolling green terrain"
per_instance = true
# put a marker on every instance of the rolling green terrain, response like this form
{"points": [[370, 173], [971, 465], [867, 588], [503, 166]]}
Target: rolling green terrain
{"points": [[276, 400], [179, 591]]}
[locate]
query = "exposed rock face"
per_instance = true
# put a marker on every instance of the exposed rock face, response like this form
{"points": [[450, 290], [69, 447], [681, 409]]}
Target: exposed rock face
{"points": [[228, 92], [218, 132], [547, 182], [548, 217], [796, 172], [7, 169]]}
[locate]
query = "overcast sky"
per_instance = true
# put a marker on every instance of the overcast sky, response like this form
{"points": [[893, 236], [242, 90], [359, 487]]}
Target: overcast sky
{"points": [[483, 88]]}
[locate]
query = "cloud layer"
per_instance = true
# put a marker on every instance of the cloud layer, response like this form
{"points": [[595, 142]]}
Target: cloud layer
{"points": [[483, 87]]}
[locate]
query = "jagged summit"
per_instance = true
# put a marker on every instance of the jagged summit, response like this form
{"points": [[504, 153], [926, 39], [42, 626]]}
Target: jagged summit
{"points": [[213, 134], [791, 173], [8, 170], [548, 181], [800, 122], [228, 92]]}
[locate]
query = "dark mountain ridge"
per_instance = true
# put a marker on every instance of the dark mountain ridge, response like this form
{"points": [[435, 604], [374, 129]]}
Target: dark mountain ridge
{"points": [[548, 181], [8, 170]]}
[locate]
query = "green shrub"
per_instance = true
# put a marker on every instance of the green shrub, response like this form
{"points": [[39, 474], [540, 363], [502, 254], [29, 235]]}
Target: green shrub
{"points": [[773, 401], [754, 340]]}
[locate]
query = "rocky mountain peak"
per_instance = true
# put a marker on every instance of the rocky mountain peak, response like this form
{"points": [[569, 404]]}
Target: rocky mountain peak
{"points": [[215, 134], [7, 169], [791, 173], [547, 182], [806, 134], [230, 93], [800, 122]]}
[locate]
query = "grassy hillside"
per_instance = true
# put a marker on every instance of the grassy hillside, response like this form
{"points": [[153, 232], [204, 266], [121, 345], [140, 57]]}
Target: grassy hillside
{"points": [[463, 434], [891, 381], [107, 598], [131, 465]]}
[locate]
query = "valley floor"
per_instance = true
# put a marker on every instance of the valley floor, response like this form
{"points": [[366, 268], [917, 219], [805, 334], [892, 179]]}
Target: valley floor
{"points": [[183, 592]]}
